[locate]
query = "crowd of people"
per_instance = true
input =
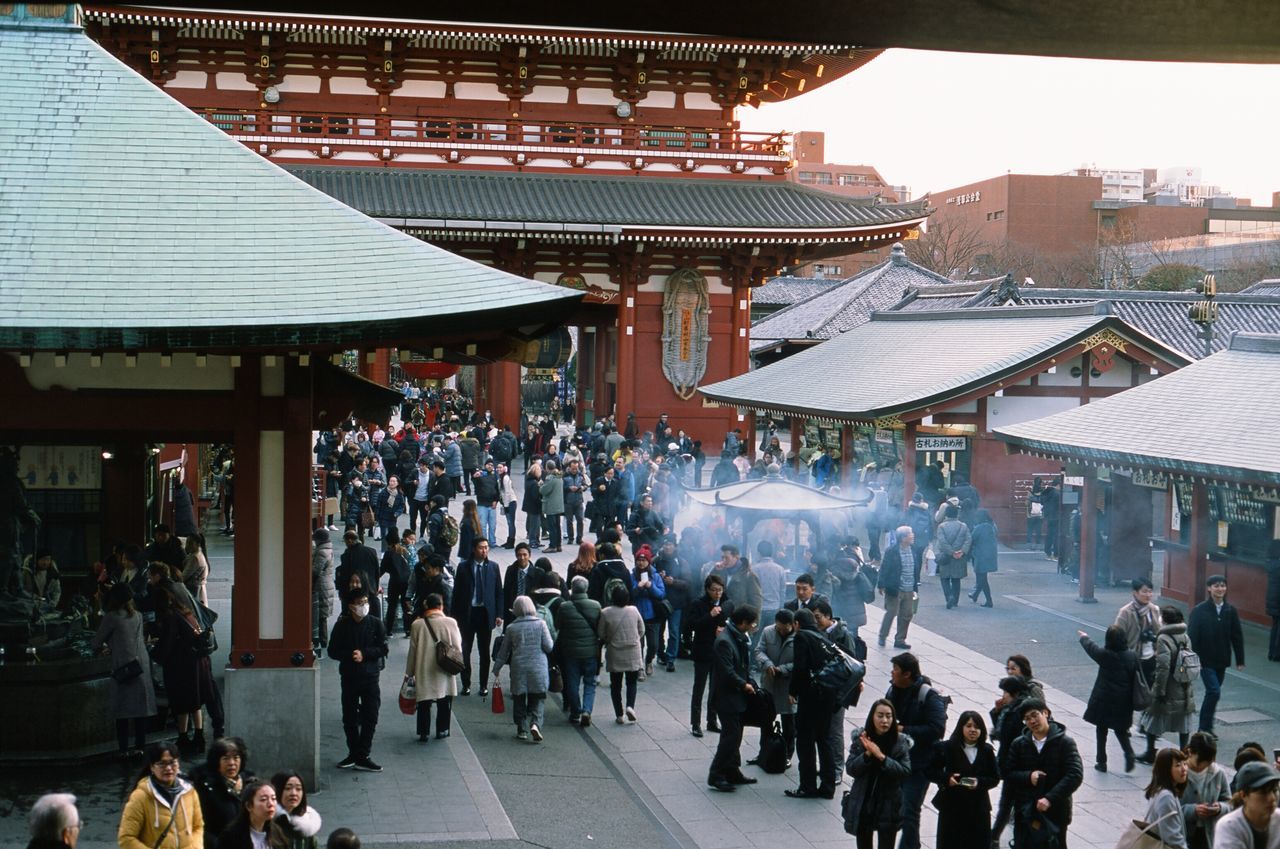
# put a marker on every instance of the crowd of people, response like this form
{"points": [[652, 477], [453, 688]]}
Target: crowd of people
{"points": [[760, 637]]}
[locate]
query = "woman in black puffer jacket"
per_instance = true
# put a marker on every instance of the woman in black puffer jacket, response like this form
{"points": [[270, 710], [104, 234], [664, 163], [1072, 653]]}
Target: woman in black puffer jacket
{"points": [[1111, 702], [219, 782]]}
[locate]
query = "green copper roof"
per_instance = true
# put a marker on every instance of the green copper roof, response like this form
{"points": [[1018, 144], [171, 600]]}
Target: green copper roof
{"points": [[898, 363], [126, 221], [1214, 418], [446, 196]]}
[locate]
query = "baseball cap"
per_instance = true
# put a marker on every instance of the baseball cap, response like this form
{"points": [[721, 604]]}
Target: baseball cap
{"points": [[1251, 776]]}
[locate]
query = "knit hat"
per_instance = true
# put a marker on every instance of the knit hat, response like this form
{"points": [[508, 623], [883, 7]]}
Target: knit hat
{"points": [[645, 552]]}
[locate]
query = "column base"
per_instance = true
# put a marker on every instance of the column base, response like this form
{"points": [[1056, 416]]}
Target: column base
{"points": [[1089, 600], [277, 711]]}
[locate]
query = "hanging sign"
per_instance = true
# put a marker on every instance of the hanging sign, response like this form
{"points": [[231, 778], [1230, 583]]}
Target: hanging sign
{"points": [[1151, 480], [941, 443]]}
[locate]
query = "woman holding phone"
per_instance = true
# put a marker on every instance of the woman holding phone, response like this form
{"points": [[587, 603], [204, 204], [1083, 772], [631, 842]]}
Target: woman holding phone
{"points": [[964, 768]]}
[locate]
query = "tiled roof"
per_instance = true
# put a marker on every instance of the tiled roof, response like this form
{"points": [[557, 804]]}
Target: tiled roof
{"points": [[1215, 418], [847, 304], [1270, 287], [1160, 315], [439, 198], [901, 362], [126, 221], [785, 291]]}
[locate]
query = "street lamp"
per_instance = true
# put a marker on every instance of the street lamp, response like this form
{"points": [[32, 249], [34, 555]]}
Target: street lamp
{"points": [[1205, 313]]}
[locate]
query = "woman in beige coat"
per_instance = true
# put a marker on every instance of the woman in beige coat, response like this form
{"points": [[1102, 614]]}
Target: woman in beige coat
{"points": [[621, 629], [432, 684]]}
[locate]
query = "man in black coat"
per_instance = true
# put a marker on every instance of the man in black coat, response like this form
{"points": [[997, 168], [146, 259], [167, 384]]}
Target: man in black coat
{"points": [[165, 548], [922, 716], [1042, 772], [357, 557], [477, 607], [731, 686], [516, 581], [814, 709], [1214, 629], [706, 616], [359, 644]]}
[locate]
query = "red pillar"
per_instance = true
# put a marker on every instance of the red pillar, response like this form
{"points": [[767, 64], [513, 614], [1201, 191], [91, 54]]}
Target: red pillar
{"points": [[379, 371], [797, 431], [502, 392], [600, 404], [626, 400], [1088, 535]]}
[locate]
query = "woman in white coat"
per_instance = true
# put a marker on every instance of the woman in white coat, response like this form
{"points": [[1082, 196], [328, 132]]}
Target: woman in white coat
{"points": [[433, 686]]}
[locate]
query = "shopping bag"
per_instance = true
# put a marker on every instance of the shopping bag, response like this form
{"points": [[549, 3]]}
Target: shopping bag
{"points": [[1139, 835], [408, 696], [499, 705]]}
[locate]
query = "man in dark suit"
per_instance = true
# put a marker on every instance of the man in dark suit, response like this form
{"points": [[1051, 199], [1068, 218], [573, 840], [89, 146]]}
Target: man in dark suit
{"points": [[477, 607], [357, 557], [731, 685], [1215, 632], [806, 597]]}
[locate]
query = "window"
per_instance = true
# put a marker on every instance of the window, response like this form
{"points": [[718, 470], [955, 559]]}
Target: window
{"points": [[808, 177], [852, 179], [995, 216], [825, 178]]}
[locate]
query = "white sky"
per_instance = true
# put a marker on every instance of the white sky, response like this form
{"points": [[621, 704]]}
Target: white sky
{"points": [[932, 120]]}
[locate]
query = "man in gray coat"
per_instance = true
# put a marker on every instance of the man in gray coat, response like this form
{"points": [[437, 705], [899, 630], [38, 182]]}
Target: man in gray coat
{"points": [[552, 491], [775, 655]]}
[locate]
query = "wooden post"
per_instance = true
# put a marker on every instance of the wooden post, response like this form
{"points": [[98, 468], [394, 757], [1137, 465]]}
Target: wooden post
{"points": [[908, 463], [1088, 536], [1202, 540]]}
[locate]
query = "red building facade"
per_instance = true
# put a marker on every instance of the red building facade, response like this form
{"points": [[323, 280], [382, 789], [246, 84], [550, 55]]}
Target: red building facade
{"points": [[610, 162]]}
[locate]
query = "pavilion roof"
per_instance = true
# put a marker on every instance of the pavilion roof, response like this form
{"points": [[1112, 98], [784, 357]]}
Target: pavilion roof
{"points": [[1161, 315], [127, 221], [837, 308], [775, 495], [1216, 418], [608, 208], [908, 363]]}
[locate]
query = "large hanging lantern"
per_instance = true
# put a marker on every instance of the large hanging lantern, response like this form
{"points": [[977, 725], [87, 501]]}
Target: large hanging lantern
{"points": [[430, 371]]}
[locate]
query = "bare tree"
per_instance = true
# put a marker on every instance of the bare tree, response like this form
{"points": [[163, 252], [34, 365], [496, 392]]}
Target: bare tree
{"points": [[948, 247]]}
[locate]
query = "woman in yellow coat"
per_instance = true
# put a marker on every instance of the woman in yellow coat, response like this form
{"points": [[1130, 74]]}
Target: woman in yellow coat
{"points": [[162, 804]]}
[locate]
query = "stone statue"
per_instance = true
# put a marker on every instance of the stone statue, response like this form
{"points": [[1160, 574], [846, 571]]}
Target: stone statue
{"points": [[15, 514]]}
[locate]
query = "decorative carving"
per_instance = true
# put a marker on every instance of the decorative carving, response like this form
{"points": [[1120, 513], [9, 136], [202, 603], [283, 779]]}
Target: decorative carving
{"points": [[1008, 292], [1104, 345], [1105, 337], [685, 330], [890, 423]]}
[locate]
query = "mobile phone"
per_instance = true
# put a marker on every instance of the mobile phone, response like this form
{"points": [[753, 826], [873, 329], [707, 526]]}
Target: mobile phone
{"points": [[968, 781], [1275, 753]]}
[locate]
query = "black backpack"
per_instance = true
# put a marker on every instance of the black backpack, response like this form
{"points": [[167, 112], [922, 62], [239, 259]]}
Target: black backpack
{"points": [[840, 674]]}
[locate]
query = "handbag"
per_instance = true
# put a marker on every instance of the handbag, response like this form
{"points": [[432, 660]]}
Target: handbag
{"points": [[129, 671], [664, 609], [409, 696], [1041, 832], [556, 682], [366, 517], [1137, 835], [1141, 691], [760, 710], [773, 751], [448, 657], [499, 704]]}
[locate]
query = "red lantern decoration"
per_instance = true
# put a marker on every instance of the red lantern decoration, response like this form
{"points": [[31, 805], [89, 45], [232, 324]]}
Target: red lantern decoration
{"points": [[430, 371]]}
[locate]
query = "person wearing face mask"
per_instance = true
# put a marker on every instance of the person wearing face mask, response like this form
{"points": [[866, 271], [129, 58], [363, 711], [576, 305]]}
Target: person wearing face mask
{"points": [[255, 827], [359, 644], [965, 770], [299, 823]]}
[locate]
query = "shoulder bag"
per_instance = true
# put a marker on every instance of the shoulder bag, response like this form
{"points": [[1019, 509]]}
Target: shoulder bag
{"points": [[448, 658], [1141, 690]]}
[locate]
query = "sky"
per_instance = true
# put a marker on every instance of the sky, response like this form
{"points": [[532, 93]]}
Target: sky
{"points": [[933, 120]]}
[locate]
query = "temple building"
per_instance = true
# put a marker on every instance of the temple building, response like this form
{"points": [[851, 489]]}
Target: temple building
{"points": [[1204, 437], [607, 162], [165, 286], [904, 389]]}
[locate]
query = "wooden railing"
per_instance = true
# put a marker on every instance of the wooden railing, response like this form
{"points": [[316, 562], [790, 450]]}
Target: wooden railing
{"points": [[457, 138]]}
